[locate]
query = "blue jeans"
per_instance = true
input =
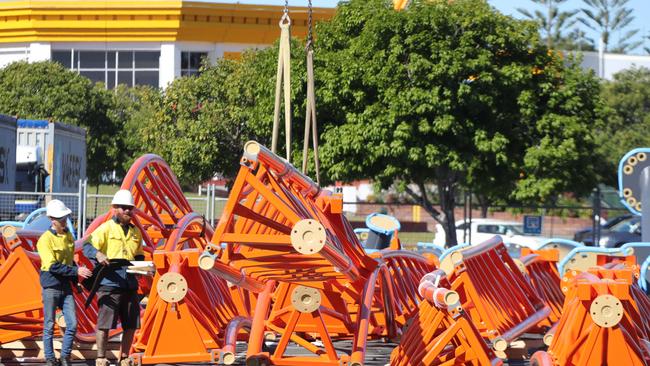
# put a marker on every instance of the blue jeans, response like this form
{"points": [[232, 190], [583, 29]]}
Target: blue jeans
{"points": [[62, 299]]}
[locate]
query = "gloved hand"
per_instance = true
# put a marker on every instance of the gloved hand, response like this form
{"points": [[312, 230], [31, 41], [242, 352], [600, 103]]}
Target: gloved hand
{"points": [[101, 258], [84, 272]]}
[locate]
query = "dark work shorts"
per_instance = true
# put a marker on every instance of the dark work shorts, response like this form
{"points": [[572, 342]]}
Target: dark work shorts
{"points": [[123, 306]]}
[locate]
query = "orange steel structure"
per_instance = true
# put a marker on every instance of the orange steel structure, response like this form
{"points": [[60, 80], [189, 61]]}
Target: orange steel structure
{"points": [[495, 293], [21, 314], [442, 333], [186, 300], [605, 321], [182, 299], [541, 270], [174, 236], [284, 238]]}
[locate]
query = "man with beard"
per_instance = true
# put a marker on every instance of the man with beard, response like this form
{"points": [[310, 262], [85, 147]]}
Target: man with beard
{"points": [[114, 241]]}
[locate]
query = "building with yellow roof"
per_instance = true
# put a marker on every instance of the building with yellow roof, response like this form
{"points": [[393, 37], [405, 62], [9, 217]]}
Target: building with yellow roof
{"points": [[140, 41]]}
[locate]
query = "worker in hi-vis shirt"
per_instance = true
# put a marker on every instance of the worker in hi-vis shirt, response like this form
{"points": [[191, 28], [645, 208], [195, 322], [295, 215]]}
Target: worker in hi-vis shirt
{"points": [[117, 295], [59, 274]]}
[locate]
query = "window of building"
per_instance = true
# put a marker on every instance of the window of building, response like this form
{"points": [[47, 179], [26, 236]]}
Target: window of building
{"points": [[113, 67], [191, 62]]}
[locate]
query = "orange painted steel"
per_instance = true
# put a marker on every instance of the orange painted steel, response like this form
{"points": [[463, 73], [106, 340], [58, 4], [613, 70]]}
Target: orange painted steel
{"points": [[158, 197], [541, 269], [498, 298], [605, 321], [21, 313], [283, 237], [190, 302], [160, 208], [442, 333]]}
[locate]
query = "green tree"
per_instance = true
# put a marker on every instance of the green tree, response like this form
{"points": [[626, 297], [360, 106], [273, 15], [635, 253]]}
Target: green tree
{"points": [[44, 90], [608, 16], [132, 110], [576, 40], [206, 119], [551, 21], [627, 98], [454, 94]]}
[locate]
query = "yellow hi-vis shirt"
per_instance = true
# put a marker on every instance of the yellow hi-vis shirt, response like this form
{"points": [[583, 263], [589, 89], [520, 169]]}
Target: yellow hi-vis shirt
{"points": [[109, 238], [55, 248]]}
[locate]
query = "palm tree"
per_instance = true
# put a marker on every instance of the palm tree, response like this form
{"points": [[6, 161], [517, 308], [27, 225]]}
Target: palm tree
{"points": [[551, 20], [608, 16]]}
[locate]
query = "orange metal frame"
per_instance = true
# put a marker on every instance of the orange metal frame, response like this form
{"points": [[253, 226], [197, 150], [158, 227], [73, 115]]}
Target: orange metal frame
{"points": [[360, 295]]}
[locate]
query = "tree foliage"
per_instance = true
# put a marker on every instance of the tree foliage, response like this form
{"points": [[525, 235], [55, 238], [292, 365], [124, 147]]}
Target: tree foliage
{"points": [[44, 90], [608, 16], [455, 94], [627, 99], [203, 121], [133, 110], [551, 20]]}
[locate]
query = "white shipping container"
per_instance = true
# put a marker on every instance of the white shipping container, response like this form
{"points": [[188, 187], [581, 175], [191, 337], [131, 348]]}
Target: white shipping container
{"points": [[64, 152]]}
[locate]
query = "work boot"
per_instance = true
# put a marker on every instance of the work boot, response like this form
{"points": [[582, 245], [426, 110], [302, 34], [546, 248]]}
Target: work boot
{"points": [[65, 361], [126, 362], [52, 362], [102, 362]]}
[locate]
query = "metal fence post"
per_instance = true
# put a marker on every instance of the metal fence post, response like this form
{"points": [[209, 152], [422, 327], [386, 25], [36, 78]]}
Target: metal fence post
{"points": [[79, 208], [213, 189], [207, 203], [85, 199]]}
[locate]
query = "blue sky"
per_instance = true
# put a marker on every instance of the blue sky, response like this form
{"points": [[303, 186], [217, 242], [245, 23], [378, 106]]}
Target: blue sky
{"points": [[641, 11]]}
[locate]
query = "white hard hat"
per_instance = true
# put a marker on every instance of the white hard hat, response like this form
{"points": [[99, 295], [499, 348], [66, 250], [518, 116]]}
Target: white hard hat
{"points": [[57, 209], [123, 197]]}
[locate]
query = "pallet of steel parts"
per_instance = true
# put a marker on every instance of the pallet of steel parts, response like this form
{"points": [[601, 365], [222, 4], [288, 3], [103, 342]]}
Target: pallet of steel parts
{"points": [[441, 333], [499, 299], [285, 238], [188, 301], [603, 322], [541, 269]]}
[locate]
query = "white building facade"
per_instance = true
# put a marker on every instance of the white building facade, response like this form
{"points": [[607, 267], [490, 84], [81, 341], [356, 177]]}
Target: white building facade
{"points": [[139, 42]]}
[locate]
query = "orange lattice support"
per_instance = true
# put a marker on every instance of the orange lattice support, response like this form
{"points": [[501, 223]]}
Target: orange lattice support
{"points": [[283, 237], [441, 333], [541, 269], [190, 302], [495, 293], [604, 322]]}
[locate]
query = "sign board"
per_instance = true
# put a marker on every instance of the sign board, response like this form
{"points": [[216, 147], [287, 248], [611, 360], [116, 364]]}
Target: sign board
{"points": [[533, 224]]}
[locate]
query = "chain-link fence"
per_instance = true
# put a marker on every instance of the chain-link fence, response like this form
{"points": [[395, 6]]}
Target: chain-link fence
{"points": [[417, 225], [15, 207]]}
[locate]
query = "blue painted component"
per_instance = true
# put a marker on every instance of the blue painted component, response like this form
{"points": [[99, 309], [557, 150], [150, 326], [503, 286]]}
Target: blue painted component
{"points": [[37, 220], [18, 224], [382, 230], [451, 250], [32, 123], [430, 247], [584, 249], [565, 242], [621, 175], [645, 272]]}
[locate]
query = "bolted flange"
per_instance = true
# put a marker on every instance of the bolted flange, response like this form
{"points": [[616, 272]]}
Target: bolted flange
{"points": [[172, 287], [606, 311], [308, 236], [305, 299]]}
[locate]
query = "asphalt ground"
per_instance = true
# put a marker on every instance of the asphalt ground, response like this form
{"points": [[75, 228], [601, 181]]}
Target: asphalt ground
{"points": [[378, 354]]}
